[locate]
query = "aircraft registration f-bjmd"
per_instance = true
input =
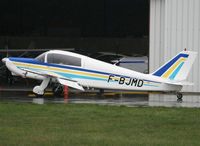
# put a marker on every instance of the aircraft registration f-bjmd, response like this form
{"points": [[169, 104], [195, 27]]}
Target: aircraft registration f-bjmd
{"points": [[79, 71]]}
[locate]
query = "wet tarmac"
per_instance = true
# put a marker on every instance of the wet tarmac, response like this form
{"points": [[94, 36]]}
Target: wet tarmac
{"points": [[130, 100]]}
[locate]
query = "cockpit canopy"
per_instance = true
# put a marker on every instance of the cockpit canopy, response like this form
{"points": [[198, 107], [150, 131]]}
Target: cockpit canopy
{"points": [[61, 59], [41, 57]]}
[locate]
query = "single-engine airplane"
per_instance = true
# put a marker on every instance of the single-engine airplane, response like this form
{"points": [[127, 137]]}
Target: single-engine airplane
{"points": [[79, 72]]}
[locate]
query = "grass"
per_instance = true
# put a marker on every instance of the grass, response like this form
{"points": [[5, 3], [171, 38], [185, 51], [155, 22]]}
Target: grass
{"points": [[82, 124]]}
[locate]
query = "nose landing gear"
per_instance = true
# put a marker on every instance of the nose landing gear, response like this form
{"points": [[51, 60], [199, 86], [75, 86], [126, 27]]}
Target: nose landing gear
{"points": [[40, 89]]}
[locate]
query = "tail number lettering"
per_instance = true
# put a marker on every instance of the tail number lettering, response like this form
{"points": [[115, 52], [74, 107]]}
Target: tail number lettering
{"points": [[127, 81]]}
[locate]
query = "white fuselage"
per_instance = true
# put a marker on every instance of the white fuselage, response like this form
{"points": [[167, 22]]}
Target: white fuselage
{"points": [[91, 73]]}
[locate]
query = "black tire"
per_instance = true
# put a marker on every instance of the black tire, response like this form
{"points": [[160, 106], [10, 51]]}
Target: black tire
{"points": [[179, 95], [38, 95], [58, 90]]}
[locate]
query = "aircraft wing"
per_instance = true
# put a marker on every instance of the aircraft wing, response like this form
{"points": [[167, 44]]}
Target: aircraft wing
{"points": [[70, 84], [61, 79]]}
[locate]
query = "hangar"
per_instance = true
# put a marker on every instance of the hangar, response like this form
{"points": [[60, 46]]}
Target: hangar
{"points": [[175, 25]]}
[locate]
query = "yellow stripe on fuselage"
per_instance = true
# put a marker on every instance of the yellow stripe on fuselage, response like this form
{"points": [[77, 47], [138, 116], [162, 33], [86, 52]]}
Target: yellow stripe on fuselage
{"points": [[168, 73], [73, 72], [151, 83], [59, 70]]}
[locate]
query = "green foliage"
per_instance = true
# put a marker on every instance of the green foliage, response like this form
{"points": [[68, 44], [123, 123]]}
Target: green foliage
{"points": [[82, 124]]}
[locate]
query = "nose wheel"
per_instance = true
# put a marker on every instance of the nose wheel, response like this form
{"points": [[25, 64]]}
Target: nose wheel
{"points": [[40, 89], [179, 96]]}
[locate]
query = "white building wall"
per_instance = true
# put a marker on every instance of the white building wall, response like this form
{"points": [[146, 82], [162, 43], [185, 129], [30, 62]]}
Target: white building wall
{"points": [[175, 25]]}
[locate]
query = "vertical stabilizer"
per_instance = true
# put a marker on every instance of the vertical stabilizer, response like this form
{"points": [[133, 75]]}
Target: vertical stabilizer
{"points": [[178, 67]]}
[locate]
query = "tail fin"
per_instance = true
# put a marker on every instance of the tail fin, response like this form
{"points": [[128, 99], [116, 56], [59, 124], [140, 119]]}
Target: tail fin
{"points": [[178, 67]]}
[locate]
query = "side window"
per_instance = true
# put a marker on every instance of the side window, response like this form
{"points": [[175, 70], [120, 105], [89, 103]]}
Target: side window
{"points": [[50, 58], [41, 58], [63, 59]]}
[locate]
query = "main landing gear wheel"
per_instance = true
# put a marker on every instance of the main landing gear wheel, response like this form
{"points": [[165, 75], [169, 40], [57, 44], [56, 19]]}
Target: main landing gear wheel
{"points": [[58, 90], [179, 96], [38, 95]]}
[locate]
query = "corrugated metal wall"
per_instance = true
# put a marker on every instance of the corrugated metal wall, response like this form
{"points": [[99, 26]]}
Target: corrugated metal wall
{"points": [[175, 25]]}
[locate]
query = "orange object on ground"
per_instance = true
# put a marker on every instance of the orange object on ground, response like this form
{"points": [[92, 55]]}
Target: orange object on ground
{"points": [[66, 92]]}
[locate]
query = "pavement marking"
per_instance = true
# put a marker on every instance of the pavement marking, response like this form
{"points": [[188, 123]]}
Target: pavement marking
{"points": [[109, 93], [46, 93]]}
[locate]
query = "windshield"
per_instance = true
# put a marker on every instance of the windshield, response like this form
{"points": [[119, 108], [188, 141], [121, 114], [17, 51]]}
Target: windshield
{"points": [[41, 58]]}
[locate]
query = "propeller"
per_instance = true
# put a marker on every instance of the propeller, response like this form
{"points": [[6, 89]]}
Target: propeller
{"points": [[9, 77]]}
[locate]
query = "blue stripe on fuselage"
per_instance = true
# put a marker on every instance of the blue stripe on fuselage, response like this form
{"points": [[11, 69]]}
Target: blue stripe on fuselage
{"points": [[33, 61], [152, 81], [68, 75]]}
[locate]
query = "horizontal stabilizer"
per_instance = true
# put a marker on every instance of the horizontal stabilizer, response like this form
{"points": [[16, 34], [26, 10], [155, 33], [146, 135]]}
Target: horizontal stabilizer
{"points": [[182, 83]]}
